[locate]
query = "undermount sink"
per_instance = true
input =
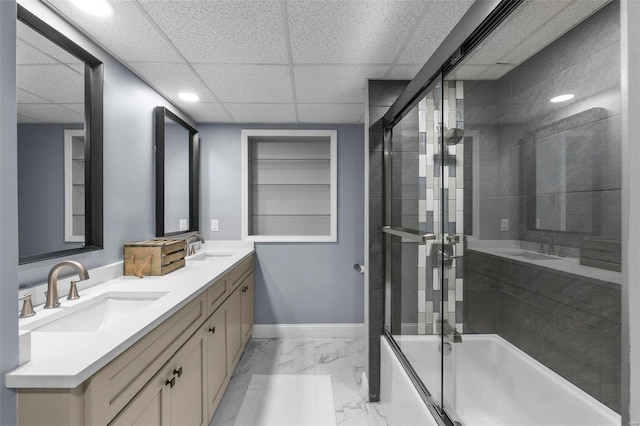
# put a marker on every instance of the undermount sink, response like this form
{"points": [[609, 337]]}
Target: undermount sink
{"points": [[96, 314], [210, 256], [532, 256]]}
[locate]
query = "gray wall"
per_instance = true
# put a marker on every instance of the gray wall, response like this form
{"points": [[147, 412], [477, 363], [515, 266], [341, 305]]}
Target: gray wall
{"points": [[8, 209], [129, 212], [41, 188], [129, 157], [295, 283]]}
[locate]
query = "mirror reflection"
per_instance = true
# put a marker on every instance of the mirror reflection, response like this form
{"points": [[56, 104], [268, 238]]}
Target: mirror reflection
{"points": [[176, 187], [51, 103], [570, 165], [176, 174]]}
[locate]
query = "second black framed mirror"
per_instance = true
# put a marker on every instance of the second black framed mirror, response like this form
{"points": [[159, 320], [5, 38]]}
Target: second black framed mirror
{"points": [[177, 159]]}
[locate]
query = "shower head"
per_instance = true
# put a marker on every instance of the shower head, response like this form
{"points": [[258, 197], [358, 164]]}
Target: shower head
{"points": [[453, 136]]}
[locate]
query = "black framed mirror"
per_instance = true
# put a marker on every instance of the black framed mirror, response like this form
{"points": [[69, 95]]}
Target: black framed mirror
{"points": [[177, 159], [59, 121]]}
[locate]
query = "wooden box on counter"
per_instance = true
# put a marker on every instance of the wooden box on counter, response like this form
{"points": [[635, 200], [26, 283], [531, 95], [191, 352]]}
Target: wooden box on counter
{"points": [[154, 257]]}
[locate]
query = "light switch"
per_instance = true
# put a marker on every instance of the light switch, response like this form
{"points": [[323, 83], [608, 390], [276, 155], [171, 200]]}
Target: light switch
{"points": [[214, 225], [504, 224]]}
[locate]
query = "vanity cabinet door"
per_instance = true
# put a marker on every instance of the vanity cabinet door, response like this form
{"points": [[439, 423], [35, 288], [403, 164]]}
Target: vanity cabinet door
{"points": [[189, 394], [234, 330], [176, 394], [217, 375], [150, 406], [246, 307]]}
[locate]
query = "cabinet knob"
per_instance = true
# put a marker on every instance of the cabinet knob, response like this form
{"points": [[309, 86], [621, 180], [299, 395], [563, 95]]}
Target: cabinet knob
{"points": [[171, 382], [178, 372], [212, 330]]}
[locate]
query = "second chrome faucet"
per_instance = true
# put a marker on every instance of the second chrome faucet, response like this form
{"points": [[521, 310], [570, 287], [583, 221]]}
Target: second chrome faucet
{"points": [[52, 283]]}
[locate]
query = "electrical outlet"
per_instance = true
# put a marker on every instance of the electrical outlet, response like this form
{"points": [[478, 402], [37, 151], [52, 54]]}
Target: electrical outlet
{"points": [[214, 225], [504, 224], [183, 225], [537, 223]]}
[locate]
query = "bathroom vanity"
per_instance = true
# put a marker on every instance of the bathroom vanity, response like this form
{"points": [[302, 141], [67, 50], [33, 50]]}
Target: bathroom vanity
{"points": [[166, 358]]}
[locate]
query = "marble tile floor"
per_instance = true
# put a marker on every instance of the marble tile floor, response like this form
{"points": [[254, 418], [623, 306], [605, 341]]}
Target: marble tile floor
{"points": [[342, 358]]}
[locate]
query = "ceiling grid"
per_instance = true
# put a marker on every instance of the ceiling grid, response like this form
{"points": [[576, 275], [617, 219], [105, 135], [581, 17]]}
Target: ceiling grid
{"points": [[298, 61]]}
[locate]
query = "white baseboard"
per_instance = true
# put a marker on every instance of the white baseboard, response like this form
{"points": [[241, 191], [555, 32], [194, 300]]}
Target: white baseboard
{"points": [[271, 331]]}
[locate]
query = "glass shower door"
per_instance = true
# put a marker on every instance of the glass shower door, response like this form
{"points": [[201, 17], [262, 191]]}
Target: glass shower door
{"points": [[419, 308]]}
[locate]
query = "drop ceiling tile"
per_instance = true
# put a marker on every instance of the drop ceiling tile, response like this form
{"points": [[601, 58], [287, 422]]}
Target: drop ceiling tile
{"points": [[56, 83], [330, 113], [436, 25], [25, 97], [36, 41], [521, 24], [349, 31], [26, 54], [79, 68], [79, 108], [262, 113], [558, 25], [334, 83], [248, 83], [49, 113], [128, 34], [171, 79], [403, 72], [468, 72], [497, 71], [23, 120], [223, 31], [204, 112]]}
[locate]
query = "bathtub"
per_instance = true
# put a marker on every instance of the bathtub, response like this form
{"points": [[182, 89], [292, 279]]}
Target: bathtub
{"points": [[490, 382]]}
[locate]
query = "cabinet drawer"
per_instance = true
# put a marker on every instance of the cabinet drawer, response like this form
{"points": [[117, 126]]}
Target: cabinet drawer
{"points": [[217, 293], [109, 390], [237, 273]]}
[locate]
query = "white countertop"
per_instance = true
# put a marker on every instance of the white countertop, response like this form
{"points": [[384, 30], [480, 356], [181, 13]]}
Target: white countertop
{"points": [[508, 249], [67, 359]]}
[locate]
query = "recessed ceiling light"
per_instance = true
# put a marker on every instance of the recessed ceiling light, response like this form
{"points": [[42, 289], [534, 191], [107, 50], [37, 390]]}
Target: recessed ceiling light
{"points": [[188, 97], [94, 7], [562, 98]]}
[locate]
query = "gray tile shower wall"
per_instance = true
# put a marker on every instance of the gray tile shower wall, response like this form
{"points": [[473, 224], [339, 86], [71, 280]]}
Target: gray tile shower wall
{"points": [[382, 94], [569, 323]]}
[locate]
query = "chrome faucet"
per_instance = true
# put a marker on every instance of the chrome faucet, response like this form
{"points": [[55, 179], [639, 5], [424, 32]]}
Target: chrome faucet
{"points": [[190, 248], [52, 283]]}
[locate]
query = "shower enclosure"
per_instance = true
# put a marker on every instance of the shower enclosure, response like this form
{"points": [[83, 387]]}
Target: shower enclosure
{"points": [[503, 219]]}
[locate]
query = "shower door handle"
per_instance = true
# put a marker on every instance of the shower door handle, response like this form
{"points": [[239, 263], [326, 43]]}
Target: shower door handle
{"points": [[442, 255], [448, 256], [411, 234]]}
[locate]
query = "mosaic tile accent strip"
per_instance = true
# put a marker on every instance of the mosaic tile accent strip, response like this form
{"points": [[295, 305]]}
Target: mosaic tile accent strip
{"points": [[442, 195]]}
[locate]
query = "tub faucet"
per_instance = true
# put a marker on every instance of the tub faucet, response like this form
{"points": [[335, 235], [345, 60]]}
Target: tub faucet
{"points": [[52, 283], [190, 248], [448, 330]]}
